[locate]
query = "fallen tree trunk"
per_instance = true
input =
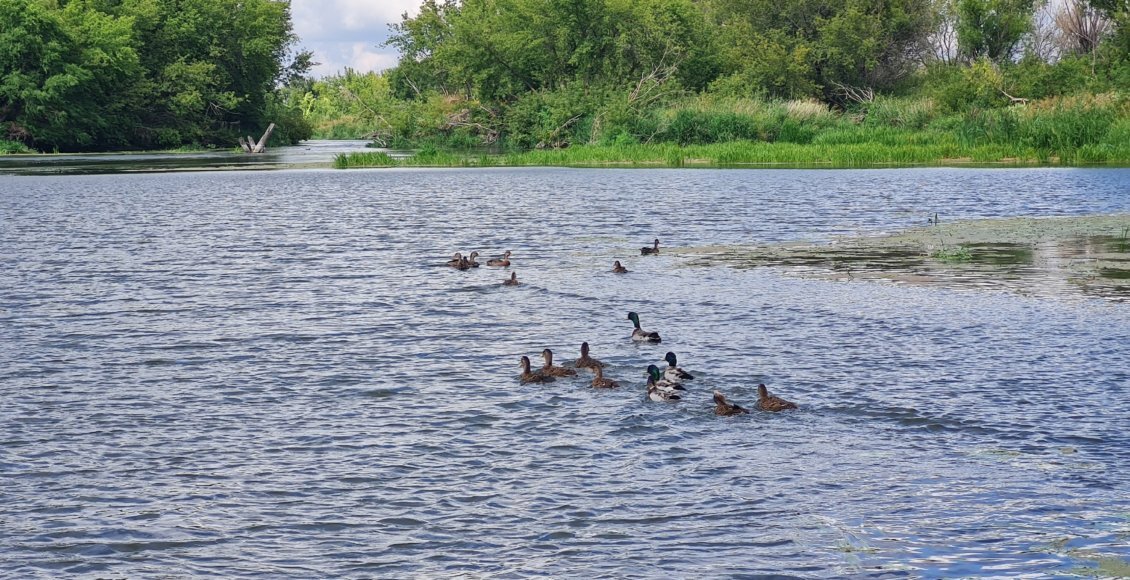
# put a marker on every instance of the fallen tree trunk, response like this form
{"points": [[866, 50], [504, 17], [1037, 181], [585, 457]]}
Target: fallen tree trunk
{"points": [[250, 146]]}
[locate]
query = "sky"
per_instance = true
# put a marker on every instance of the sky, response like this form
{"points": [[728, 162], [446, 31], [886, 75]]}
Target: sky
{"points": [[348, 33]]}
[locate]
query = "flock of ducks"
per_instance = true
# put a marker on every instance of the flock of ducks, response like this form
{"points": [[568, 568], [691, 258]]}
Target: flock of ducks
{"points": [[663, 385]]}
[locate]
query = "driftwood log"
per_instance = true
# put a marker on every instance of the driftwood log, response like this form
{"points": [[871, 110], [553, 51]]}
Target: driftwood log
{"points": [[250, 146]]}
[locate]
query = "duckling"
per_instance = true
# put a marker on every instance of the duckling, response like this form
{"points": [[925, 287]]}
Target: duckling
{"points": [[528, 376], [618, 269], [471, 260], [599, 382], [586, 361], [673, 372], [639, 335], [500, 262], [551, 370], [771, 403], [650, 251], [654, 392], [512, 281], [721, 407], [456, 261], [662, 382]]}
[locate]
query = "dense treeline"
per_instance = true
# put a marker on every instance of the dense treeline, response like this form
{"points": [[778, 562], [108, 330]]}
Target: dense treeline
{"points": [[554, 73], [142, 74]]}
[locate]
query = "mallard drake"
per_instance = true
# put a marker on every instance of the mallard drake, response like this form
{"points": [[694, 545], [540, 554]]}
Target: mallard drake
{"points": [[456, 261], [771, 403], [599, 382], [617, 268], [500, 262], [528, 376], [587, 361], [661, 381], [654, 391], [512, 280], [640, 335], [673, 372], [471, 263], [549, 369], [721, 407], [650, 250]]}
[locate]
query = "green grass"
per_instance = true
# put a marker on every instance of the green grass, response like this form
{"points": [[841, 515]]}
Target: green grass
{"points": [[953, 254], [13, 147]]}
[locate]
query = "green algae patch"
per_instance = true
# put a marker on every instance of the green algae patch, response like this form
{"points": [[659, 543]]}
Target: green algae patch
{"points": [[1033, 256]]}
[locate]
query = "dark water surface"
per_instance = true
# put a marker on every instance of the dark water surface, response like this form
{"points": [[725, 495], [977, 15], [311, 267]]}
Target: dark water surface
{"points": [[271, 374]]}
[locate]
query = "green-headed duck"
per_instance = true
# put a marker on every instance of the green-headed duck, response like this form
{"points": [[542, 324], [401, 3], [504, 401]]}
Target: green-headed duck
{"points": [[661, 381], [673, 372], [654, 392], [640, 335]]}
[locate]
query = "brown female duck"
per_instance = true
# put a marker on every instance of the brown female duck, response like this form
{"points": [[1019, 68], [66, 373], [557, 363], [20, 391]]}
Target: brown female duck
{"points": [[587, 361], [771, 403], [512, 281], [500, 262], [529, 376], [650, 250], [599, 382], [617, 268], [726, 409], [550, 370]]}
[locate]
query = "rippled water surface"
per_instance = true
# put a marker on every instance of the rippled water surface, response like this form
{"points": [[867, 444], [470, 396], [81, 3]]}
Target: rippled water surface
{"points": [[272, 374]]}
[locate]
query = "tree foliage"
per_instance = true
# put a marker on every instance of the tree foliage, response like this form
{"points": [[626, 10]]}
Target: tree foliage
{"points": [[106, 74]]}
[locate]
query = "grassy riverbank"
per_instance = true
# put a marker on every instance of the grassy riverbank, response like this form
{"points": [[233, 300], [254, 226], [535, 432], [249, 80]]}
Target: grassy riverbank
{"points": [[712, 133]]}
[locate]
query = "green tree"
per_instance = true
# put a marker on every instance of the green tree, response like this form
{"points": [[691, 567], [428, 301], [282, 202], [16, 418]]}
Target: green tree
{"points": [[992, 28]]}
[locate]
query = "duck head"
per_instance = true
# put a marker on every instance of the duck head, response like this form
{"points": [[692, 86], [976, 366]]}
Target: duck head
{"points": [[653, 374], [584, 350], [670, 358], [525, 364], [635, 318], [548, 356], [762, 391]]}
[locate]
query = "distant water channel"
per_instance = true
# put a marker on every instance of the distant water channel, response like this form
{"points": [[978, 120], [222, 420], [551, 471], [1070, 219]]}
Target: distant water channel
{"points": [[272, 374]]}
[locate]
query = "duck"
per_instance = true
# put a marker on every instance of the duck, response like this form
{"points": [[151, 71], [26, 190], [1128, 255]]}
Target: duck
{"points": [[587, 361], [617, 268], [650, 250], [471, 263], [655, 392], [640, 335], [771, 403], [599, 382], [500, 262], [673, 372], [529, 376], [456, 261], [662, 382], [551, 370], [725, 409], [512, 280]]}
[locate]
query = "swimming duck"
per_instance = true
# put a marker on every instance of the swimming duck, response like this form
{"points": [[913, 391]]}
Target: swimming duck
{"points": [[639, 335], [456, 261], [654, 392], [500, 262], [471, 263], [662, 382], [771, 403], [512, 281], [551, 370], [653, 250], [618, 269], [587, 361], [528, 376], [599, 382], [673, 372], [721, 407]]}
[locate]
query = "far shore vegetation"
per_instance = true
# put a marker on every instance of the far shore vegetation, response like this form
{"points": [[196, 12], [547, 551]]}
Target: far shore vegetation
{"points": [[678, 83]]}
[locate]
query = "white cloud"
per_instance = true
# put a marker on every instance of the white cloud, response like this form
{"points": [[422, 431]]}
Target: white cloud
{"points": [[345, 33]]}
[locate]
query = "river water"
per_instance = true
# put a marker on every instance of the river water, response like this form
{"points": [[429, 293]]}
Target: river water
{"points": [[271, 373]]}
